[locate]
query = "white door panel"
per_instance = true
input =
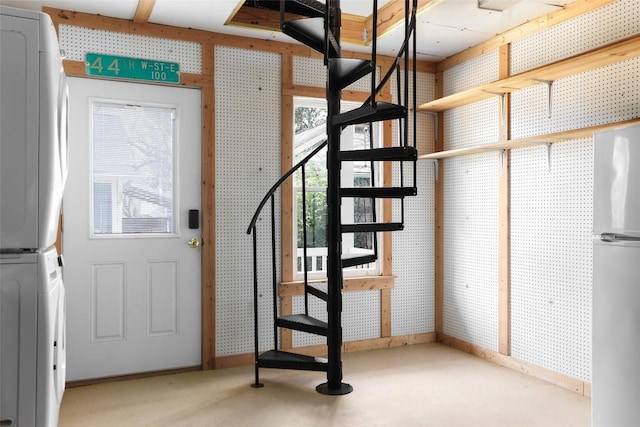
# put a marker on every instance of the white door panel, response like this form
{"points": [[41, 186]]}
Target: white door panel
{"points": [[133, 287]]}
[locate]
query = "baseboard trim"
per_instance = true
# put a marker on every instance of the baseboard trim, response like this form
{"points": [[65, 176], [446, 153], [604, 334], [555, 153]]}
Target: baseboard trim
{"points": [[347, 347], [561, 380], [92, 381]]}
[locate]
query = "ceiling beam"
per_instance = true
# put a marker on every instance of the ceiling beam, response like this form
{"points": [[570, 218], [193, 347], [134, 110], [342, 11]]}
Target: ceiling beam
{"points": [[143, 11], [391, 15], [354, 27]]}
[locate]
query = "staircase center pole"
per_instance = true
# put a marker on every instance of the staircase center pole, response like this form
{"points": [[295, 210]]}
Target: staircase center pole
{"points": [[334, 384]]}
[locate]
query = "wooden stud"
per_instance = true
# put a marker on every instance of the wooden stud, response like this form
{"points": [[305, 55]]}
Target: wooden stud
{"points": [[208, 206], [143, 11], [286, 162], [286, 335], [391, 15], [504, 215]]}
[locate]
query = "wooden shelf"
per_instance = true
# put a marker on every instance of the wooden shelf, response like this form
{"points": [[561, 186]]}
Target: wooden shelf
{"points": [[615, 52], [550, 138]]}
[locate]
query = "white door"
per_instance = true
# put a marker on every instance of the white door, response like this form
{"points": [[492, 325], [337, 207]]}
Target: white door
{"points": [[133, 281]]}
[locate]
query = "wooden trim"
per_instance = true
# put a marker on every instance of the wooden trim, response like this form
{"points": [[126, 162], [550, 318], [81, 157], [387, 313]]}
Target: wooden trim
{"points": [[351, 284], [235, 361], [143, 11], [570, 11], [288, 246], [389, 342], [104, 380], [504, 215], [286, 335], [347, 347], [77, 69], [561, 380], [391, 15], [208, 206], [291, 89], [385, 313], [269, 21]]}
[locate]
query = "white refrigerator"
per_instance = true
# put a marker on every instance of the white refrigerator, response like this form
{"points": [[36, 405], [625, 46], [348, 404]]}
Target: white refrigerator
{"points": [[33, 170], [615, 399]]}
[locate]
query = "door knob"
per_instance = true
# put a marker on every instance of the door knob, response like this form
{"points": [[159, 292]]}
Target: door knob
{"points": [[193, 242]]}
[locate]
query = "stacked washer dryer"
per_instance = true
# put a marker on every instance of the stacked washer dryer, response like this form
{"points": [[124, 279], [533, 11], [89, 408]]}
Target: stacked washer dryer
{"points": [[33, 168]]}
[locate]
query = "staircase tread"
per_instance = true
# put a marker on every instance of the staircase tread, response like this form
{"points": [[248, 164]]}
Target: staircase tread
{"points": [[366, 113], [345, 71], [304, 323], [372, 227], [407, 153], [287, 360], [379, 192], [318, 290], [308, 31], [351, 260], [311, 8]]}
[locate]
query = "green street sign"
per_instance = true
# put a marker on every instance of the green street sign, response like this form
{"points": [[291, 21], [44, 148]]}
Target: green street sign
{"points": [[121, 67]]}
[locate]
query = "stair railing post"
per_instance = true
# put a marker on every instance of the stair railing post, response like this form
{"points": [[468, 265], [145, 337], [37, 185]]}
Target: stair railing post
{"points": [[305, 265], [256, 339], [374, 51], [273, 272]]}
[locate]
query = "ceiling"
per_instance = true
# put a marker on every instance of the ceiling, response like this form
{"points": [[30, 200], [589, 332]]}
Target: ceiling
{"points": [[445, 27]]}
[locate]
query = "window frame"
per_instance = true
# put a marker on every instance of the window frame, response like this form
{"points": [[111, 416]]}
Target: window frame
{"points": [[348, 204]]}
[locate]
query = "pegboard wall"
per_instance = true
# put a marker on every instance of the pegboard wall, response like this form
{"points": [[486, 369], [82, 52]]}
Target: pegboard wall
{"points": [[603, 95], [471, 249], [472, 125], [76, 42], [551, 198], [413, 300], [551, 209], [475, 72], [601, 26], [551, 257], [247, 118]]}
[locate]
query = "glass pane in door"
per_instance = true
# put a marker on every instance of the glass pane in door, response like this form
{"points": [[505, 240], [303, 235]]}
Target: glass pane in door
{"points": [[133, 162]]}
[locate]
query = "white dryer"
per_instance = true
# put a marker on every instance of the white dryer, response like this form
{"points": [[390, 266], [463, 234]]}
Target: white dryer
{"points": [[32, 339], [33, 169], [33, 130]]}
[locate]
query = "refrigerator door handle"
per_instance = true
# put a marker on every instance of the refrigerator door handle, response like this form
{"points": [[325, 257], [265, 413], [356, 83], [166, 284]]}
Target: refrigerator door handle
{"points": [[614, 237]]}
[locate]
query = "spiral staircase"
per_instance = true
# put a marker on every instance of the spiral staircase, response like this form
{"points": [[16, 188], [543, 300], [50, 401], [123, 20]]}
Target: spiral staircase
{"points": [[319, 28]]}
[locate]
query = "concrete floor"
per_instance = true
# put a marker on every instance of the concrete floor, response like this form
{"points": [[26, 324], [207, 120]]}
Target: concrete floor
{"points": [[421, 385]]}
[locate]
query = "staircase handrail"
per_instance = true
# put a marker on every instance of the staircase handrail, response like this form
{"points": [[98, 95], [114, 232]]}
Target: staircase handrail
{"points": [[396, 61], [282, 179]]}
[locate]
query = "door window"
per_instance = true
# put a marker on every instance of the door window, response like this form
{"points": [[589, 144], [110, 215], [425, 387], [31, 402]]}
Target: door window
{"points": [[133, 169]]}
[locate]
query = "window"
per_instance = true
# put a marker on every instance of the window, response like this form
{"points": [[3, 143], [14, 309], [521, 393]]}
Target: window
{"points": [[310, 117], [132, 169]]}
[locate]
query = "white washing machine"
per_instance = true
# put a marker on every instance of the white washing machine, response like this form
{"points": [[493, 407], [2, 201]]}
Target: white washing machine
{"points": [[33, 169], [32, 339]]}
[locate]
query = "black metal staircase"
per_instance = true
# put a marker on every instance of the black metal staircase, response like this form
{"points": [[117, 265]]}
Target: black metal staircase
{"points": [[320, 29]]}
